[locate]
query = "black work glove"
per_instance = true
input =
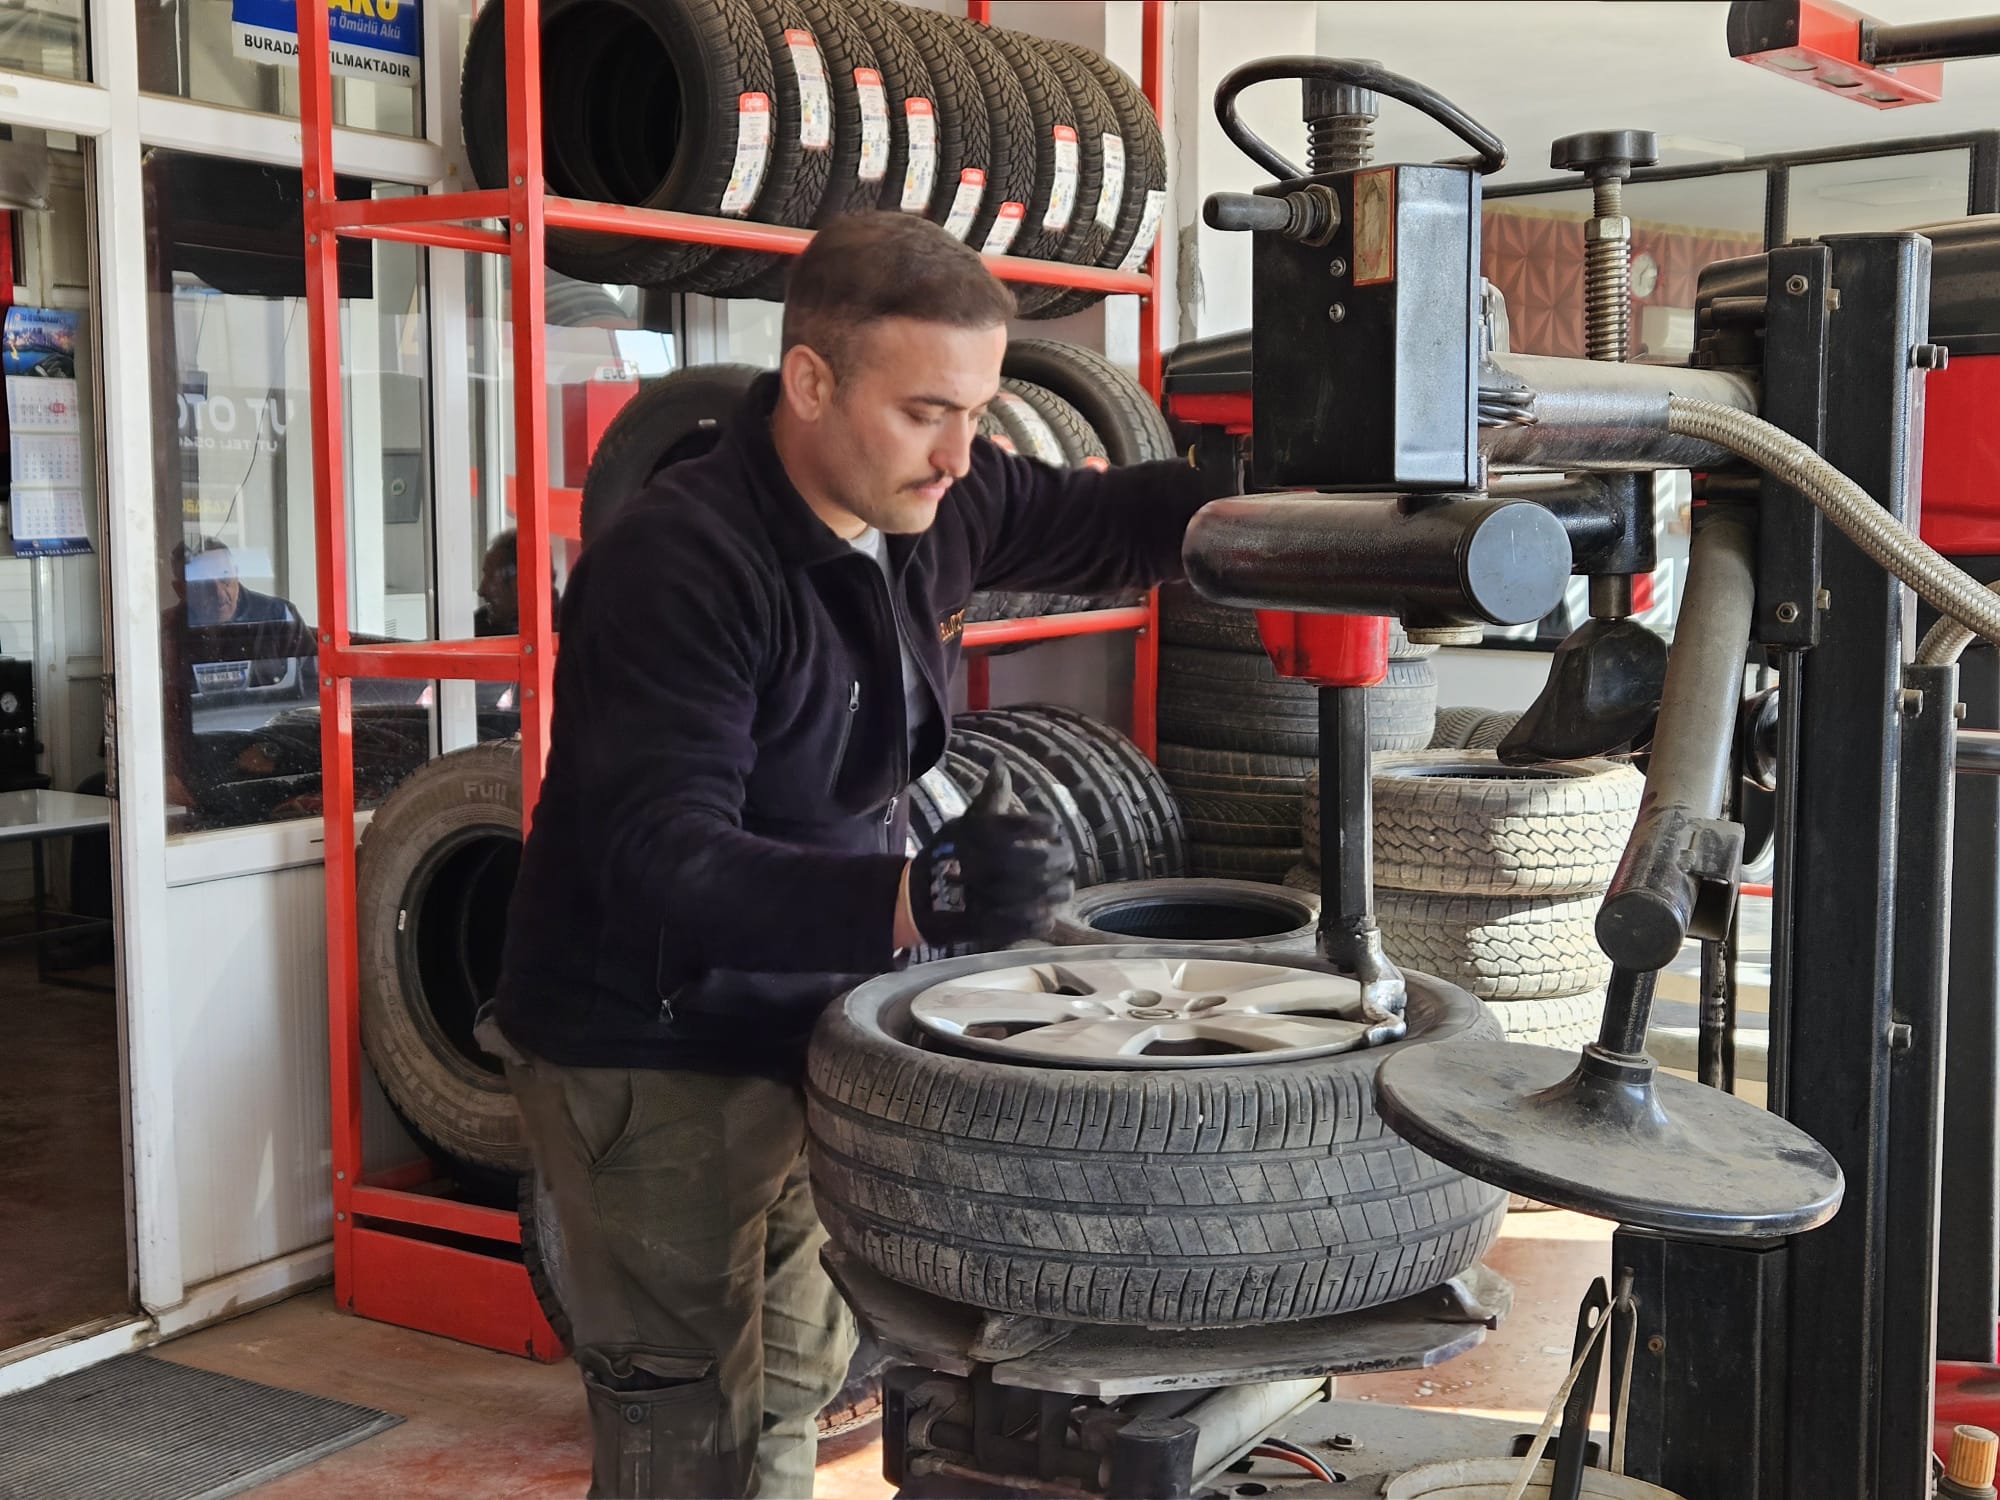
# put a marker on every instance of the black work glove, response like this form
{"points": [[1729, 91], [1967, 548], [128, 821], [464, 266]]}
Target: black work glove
{"points": [[993, 876]]}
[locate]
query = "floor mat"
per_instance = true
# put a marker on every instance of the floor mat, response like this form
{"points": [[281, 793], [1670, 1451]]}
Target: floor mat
{"points": [[138, 1428]]}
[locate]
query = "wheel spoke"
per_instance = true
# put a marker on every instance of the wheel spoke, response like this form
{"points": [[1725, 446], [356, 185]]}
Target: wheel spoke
{"points": [[1083, 1038], [1253, 1033], [1283, 992], [957, 1008]]}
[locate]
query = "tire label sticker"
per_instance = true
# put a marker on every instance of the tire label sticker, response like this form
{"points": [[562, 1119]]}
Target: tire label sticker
{"points": [[920, 171], [1062, 195], [965, 203], [1001, 441], [874, 126], [753, 152], [815, 102], [1149, 229], [1041, 437], [1112, 194], [1006, 224]]}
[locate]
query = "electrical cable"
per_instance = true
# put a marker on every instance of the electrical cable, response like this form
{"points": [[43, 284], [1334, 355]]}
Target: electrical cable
{"points": [[1363, 75], [1949, 590], [1298, 1457]]}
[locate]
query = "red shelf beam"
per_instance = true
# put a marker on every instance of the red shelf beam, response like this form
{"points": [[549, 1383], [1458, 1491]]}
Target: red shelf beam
{"points": [[433, 1212], [1055, 627], [438, 220], [488, 659]]}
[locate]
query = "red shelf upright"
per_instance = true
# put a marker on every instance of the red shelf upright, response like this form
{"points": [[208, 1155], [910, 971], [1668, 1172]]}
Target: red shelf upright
{"points": [[405, 1251]]}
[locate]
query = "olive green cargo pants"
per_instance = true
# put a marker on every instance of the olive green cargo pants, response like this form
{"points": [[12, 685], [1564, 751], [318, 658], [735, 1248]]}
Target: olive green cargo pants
{"points": [[708, 1334]]}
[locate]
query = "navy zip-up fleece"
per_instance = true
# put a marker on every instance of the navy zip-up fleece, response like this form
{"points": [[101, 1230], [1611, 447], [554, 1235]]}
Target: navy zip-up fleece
{"points": [[717, 849]]}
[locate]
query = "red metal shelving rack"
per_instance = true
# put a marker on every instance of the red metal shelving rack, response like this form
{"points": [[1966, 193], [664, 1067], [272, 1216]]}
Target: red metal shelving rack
{"points": [[404, 1252]]}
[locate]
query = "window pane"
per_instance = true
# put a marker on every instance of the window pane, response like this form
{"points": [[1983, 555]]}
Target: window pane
{"points": [[1532, 249], [597, 352], [233, 435], [1876, 193], [209, 50], [45, 37]]}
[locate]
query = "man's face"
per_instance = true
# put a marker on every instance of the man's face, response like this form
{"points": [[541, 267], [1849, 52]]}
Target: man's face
{"points": [[891, 434], [213, 592]]}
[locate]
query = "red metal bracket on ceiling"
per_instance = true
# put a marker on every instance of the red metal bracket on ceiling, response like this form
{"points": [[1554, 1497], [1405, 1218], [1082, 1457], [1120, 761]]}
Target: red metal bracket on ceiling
{"points": [[1832, 47]]}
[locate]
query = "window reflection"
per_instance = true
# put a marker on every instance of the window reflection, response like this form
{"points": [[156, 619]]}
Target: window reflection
{"points": [[233, 445]]}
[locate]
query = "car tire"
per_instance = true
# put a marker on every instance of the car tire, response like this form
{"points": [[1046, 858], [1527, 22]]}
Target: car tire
{"points": [[1458, 822], [1200, 1197], [434, 873], [1238, 914], [676, 417]]}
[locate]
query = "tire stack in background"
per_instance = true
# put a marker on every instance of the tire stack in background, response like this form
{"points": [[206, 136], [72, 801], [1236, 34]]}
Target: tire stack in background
{"points": [[1070, 407], [1237, 741], [1490, 876], [793, 112]]}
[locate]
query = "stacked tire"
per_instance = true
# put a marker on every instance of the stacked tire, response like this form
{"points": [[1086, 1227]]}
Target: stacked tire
{"points": [[1237, 741], [1490, 877], [1068, 407], [793, 112], [1118, 817]]}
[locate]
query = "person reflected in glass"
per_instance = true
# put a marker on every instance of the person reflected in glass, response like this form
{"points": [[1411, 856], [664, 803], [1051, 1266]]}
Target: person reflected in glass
{"points": [[222, 642]]}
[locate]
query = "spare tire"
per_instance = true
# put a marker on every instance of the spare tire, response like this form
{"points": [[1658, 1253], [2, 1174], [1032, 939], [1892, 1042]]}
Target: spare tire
{"points": [[960, 129], [677, 417], [1081, 242], [847, 62], [1000, 220], [857, 1402], [607, 67], [1051, 205], [1497, 947], [1239, 914], [1134, 189], [1082, 447], [1186, 1196], [434, 875], [908, 180], [1454, 821], [800, 41], [1088, 774], [1112, 402]]}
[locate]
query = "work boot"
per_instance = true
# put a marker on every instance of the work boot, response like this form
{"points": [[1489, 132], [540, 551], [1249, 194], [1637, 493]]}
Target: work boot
{"points": [[656, 1426]]}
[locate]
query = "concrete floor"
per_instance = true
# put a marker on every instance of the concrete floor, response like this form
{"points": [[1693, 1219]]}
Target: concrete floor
{"points": [[62, 1162], [483, 1426]]}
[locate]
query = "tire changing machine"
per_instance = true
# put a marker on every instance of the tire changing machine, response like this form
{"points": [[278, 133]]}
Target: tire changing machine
{"points": [[1776, 1336]]}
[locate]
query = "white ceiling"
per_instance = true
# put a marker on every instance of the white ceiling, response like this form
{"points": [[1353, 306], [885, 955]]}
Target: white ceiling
{"points": [[1532, 71]]}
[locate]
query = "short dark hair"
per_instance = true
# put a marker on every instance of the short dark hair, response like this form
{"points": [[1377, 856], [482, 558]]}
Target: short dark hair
{"points": [[866, 266]]}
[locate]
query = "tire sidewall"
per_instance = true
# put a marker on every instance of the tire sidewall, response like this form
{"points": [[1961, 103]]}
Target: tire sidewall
{"points": [[465, 1110]]}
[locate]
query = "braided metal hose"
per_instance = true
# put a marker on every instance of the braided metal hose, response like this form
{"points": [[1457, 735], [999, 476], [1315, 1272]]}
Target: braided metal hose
{"points": [[1950, 591], [1607, 276]]}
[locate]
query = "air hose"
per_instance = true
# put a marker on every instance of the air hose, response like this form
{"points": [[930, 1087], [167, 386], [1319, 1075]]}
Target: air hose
{"points": [[1969, 609]]}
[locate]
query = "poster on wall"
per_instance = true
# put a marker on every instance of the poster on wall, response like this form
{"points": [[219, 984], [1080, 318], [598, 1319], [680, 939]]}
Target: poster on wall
{"points": [[45, 452], [380, 40]]}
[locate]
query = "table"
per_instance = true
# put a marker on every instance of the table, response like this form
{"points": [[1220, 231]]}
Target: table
{"points": [[33, 817]]}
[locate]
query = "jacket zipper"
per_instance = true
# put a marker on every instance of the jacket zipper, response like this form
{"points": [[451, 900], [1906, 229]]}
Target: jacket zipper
{"points": [[846, 734]]}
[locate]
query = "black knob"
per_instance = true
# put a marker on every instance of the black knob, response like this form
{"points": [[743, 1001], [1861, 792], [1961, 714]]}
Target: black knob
{"points": [[1606, 151], [1246, 213]]}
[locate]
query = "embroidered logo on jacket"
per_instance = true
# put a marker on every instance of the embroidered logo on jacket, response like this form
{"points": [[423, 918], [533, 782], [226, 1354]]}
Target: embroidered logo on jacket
{"points": [[951, 627]]}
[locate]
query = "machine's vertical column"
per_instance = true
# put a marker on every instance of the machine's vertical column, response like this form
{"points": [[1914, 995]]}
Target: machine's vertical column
{"points": [[1916, 1077], [1836, 882]]}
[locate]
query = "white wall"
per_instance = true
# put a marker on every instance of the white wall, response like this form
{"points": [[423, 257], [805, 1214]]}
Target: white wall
{"points": [[1213, 269]]}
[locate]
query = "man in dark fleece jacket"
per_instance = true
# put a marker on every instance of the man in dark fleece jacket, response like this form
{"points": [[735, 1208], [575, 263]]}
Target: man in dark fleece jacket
{"points": [[756, 659]]}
